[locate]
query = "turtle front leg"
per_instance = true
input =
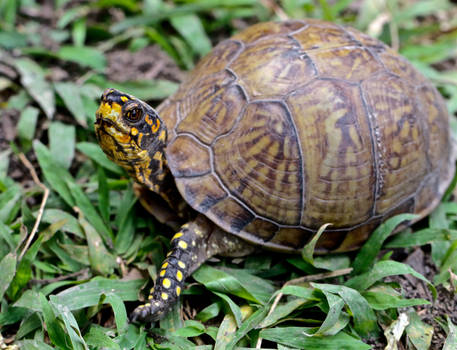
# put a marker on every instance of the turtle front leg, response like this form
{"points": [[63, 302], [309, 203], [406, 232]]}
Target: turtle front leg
{"points": [[191, 246]]}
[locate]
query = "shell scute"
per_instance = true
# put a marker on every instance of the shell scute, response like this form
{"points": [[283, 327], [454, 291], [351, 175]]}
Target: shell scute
{"points": [[347, 63], [260, 163], [338, 160], [215, 110], [273, 66], [202, 192], [188, 157], [323, 36], [263, 30], [401, 154]]}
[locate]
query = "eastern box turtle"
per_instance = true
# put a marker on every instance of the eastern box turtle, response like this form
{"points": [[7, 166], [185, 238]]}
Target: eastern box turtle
{"points": [[280, 129]]}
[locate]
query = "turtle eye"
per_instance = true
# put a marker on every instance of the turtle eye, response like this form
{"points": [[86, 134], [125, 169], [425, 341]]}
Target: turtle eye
{"points": [[134, 114]]}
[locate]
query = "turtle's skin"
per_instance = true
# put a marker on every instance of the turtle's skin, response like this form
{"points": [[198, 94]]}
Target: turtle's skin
{"points": [[280, 129]]}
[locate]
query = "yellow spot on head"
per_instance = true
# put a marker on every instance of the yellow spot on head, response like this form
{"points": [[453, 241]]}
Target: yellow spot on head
{"points": [[181, 265], [179, 275], [182, 244], [124, 98], [156, 126], [164, 296], [134, 131], [166, 283], [147, 119], [162, 273], [178, 291], [177, 235], [165, 264]]}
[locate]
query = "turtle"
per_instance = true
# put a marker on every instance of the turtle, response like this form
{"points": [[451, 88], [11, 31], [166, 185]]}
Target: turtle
{"points": [[282, 128]]}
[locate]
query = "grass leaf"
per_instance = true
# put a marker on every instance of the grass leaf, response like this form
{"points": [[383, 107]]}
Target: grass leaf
{"points": [[84, 56], [383, 269], [365, 322], [298, 337], [89, 293], [33, 79], [101, 261], [55, 331], [367, 255], [62, 143], [451, 340], [191, 28], [419, 333], [8, 270], [71, 96], [56, 175], [89, 211], [95, 153]]}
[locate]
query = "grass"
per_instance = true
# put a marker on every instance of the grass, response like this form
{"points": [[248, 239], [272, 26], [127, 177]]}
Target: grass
{"points": [[75, 245]]}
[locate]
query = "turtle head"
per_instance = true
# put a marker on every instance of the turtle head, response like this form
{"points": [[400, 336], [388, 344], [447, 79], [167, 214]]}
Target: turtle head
{"points": [[132, 135]]}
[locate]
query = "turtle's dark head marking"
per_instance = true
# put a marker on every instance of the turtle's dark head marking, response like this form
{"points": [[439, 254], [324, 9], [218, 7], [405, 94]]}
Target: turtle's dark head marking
{"points": [[132, 135]]}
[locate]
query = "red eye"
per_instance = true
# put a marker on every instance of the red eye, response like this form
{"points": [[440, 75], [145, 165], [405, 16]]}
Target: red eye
{"points": [[133, 115]]}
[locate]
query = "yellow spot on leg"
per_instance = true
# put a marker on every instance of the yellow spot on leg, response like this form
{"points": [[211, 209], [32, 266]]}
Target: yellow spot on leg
{"points": [[178, 291], [164, 266], [149, 297], [182, 244], [124, 98], [177, 235], [179, 276], [164, 296], [181, 264], [162, 273], [166, 283]]}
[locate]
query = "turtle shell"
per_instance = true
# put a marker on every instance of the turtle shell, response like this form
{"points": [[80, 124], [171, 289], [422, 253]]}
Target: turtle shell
{"points": [[288, 126]]}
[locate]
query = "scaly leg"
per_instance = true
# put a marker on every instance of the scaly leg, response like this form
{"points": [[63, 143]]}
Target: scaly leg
{"points": [[195, 243]]}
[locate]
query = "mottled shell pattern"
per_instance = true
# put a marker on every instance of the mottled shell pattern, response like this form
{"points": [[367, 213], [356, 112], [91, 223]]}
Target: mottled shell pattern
{"points": [[288, 126]]}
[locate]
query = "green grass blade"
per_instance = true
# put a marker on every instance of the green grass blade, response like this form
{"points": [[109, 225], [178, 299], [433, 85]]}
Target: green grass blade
{"points": [[55, 331], [94, 152], [8, 270], [367, 255], [71, 96], [365, 321], [297, 337], [62, 143], [89, 293], [56, 176], [33, 79], [89, 211], [101, 261]]}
